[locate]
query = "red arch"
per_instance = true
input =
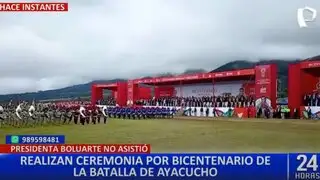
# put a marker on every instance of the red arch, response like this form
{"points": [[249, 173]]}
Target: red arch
{"points": [[119, 89], [303, 78]]}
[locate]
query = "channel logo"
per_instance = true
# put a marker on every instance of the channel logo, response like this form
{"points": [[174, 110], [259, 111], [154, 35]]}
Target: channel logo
{"points": [[304, 15]]}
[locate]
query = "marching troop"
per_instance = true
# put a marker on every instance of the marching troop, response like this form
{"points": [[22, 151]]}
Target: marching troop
{"points": [[26, 115]]}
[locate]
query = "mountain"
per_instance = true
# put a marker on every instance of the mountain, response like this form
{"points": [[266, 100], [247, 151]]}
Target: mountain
{"points": [[282, 70], [193, 71], [75, 91], [188, 71], [241, 64], [83, 90], [238, 64]]}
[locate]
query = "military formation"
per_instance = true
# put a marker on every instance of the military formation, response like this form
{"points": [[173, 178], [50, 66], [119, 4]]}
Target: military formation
{"points": [[40, 114], [141, 112]]}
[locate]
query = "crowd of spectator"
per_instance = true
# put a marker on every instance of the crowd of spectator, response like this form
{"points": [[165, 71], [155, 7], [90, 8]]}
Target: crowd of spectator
{"points": [[311, 99], [71, 103], [226, 100], [107, 100]]}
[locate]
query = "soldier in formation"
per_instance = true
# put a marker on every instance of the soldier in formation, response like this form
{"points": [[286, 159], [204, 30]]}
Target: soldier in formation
{"points": [[40, 114]]}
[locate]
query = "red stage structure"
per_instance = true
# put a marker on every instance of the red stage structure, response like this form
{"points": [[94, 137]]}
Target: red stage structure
{"points": [[119, 92], [303, 78], [264, 77]]}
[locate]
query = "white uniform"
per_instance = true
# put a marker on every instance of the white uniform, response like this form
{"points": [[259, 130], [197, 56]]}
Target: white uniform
{"points": [[82, 111], [31, 110], [1, 112], [104, 109], [18, 111]]}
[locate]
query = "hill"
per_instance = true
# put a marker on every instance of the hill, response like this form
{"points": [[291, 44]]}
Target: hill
{"points": [[75, 91], [83, 90], [242, 64]]}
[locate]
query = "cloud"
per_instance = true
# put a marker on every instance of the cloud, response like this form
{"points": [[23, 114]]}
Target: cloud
{"points": [[133, 38]]}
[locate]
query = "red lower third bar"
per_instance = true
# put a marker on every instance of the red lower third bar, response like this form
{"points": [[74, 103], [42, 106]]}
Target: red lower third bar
{"points": [[34, 7], [78, 148]]}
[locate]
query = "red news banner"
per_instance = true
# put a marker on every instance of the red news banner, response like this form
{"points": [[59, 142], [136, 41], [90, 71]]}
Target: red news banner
{"points": [[33, 7], [77, 148]]}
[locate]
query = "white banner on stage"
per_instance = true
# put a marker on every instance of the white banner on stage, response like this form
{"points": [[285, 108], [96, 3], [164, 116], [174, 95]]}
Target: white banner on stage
{"points": [[208, 89]]}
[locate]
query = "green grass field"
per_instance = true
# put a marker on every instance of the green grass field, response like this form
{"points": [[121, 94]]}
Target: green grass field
{"points": [[194, 135]]}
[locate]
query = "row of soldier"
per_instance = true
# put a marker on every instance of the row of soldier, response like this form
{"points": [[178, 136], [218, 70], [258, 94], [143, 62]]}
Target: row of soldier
{"points": [[141, 112], [49, 113], [34, 114]]}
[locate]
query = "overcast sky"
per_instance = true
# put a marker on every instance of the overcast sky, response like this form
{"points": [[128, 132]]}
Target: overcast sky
{"points": [[104, 39]]}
